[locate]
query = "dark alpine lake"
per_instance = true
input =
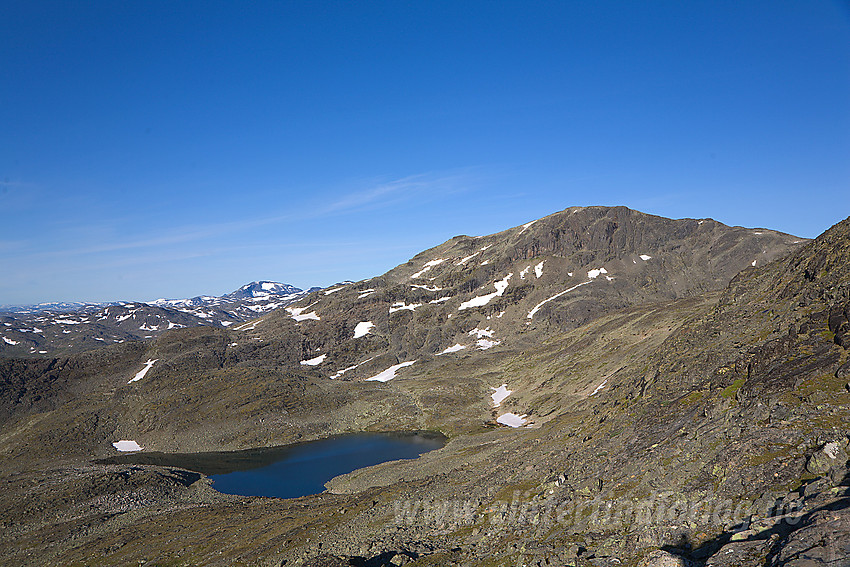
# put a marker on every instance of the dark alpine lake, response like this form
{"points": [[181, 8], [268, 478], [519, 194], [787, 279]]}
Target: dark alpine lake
{"points": [[292, 470]]}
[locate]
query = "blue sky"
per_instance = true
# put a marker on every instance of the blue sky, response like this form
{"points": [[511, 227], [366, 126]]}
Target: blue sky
{"points": [[171, 149]]}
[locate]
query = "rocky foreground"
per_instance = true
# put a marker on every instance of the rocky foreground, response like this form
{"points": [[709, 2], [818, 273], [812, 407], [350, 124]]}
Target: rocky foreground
{"points": [[680, 391]]}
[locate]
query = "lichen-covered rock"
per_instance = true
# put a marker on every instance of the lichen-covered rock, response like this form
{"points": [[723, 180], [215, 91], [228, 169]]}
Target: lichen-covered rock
{"points": [[661, 558], [831, 455]]}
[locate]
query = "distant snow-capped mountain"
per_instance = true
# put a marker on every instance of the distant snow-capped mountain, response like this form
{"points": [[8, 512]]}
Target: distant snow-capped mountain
{"points": [[55, 306], [49, 328]]}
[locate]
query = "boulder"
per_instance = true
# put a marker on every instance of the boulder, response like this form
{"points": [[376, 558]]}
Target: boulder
{"points": [[661, 558], [831, 455]]}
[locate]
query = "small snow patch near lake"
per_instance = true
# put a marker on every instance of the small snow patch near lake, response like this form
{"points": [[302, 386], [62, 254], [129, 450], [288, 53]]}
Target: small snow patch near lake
{"points": [[512, 419], [314, 361], [390, 372], [141, 373], [363, 328], [126, 445], [499, 394]]}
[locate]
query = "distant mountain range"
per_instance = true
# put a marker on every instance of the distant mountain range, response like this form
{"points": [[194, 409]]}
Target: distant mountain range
{"points": [[50, 328]]}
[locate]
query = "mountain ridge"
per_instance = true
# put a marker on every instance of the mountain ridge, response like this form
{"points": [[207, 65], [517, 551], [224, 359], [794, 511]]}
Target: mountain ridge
{"points": [[44, 329], [666, 383]]}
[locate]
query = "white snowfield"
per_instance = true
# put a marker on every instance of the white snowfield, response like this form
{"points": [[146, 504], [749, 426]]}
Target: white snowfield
{"points": [[441, 299], [478, 333], [596, 272], [512, 419], [645, 257], [10, 341], [556, 296], [362, 329], [249, 326], [482, 300], [538, 269], [402, 306], [126, 445], [344, 370], [365, 293], [467, 259], [298, 314], [141, 373], [314, 361], [451, 349], [428, 266], [499, 394], [525, 226], [390, 372], [599, 387], [484, 344], [427, 287], [524, 272]]}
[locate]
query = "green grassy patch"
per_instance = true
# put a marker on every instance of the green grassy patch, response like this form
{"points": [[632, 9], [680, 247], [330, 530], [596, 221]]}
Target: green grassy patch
{"points": [[729, 392]]}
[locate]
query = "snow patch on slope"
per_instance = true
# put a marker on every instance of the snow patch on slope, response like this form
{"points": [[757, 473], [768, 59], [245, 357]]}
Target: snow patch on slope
{"points": [[141, 373], [344, 370], [363, 328], [126, 445], [512, 419], [402, 306], [538, 269], [499, 394], [314, 361], [556, 296], [390, 372], [455, 348], [482, 300], [428, 266], [298, 314]]}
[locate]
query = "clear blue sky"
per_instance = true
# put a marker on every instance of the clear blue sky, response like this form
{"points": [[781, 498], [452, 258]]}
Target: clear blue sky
{"points": [[171, 149]]}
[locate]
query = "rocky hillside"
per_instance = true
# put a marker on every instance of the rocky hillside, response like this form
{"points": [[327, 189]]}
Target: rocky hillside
{"points": [[618, 389], [62, 328]]}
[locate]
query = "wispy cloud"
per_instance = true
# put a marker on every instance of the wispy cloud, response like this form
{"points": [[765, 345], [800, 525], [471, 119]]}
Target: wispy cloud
{"points": [[399, 190], [370, 196]]}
